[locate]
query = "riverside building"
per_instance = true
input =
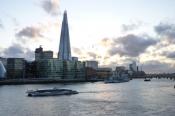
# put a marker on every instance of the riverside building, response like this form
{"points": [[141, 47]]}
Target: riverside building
{"points": [[40, 54], [60, 69], [104, 73], [15, 68], [91, 64], [4, 61], [2, 71], [64, 67]]}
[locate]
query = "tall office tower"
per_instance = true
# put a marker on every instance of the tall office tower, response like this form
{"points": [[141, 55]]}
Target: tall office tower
{"points": [[64, 47]]}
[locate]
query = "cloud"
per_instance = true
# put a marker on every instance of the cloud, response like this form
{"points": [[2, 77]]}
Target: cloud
{"points": [[18, 51], [38, 32], [1, 25], [15, 21], [106, 42], [113, 50], [91, 54], [131, 45], [29, 32], [84, 54], [167, 30], [169, 54], [154, 66], [51, 6], [130, 27], [77, 51]]}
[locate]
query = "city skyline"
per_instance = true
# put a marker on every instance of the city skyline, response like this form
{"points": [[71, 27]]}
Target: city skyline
{"points": [[112, 32]]}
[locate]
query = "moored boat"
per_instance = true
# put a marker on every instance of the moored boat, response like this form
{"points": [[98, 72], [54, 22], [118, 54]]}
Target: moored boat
{"points": [[116, 78]]}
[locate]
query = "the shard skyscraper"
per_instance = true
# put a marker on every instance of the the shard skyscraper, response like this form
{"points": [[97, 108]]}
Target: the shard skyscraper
{"points": [[64, 47]]}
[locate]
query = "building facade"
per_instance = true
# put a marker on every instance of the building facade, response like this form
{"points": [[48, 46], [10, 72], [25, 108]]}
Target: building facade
{"points": [[4, 61], [40, 54], [91, 64], [15, 68], [59, 69], [30, 69], [104, 73], [133, 67], [91, 74], [74, 58]]}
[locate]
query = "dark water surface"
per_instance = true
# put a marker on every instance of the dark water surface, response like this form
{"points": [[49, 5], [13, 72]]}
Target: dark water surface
{"points": [[135, 98]]}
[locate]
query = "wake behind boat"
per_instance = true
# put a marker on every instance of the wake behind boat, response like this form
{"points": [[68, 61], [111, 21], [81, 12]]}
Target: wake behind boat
{"points": [[50, 92]]}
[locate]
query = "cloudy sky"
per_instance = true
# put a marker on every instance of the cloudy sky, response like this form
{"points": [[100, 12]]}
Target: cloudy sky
{"points": [[113, 32]]}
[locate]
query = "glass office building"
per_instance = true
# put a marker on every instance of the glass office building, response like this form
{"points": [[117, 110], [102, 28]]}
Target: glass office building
{"points": [[2, 70], [59, 69], [15, 68]]}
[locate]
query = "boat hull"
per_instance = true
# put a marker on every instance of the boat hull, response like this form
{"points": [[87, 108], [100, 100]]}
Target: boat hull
{"points": [[51, 92]]}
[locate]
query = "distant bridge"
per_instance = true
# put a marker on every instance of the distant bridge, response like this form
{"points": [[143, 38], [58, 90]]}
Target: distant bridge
{"points": [[164, 75]]}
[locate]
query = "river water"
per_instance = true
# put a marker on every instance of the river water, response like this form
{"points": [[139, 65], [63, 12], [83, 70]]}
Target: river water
{"points": [[134, 98]]}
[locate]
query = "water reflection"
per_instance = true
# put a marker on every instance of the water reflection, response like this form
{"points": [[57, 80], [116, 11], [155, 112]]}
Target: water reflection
{"points": [[95, 99]]}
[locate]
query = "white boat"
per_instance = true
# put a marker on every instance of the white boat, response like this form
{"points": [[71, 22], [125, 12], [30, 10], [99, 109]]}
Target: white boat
{"points": [[50, 92]]}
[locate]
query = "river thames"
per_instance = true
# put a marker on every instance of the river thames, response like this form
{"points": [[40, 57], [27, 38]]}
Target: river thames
{"points": [[134, 98]]}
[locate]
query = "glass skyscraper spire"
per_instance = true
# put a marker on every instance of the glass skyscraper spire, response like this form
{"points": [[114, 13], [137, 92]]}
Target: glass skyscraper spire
{"points": [[64, 47]]}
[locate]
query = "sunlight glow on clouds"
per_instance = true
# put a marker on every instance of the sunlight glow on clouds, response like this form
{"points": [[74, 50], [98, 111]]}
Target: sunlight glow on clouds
{"points": [[111, 35]]}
